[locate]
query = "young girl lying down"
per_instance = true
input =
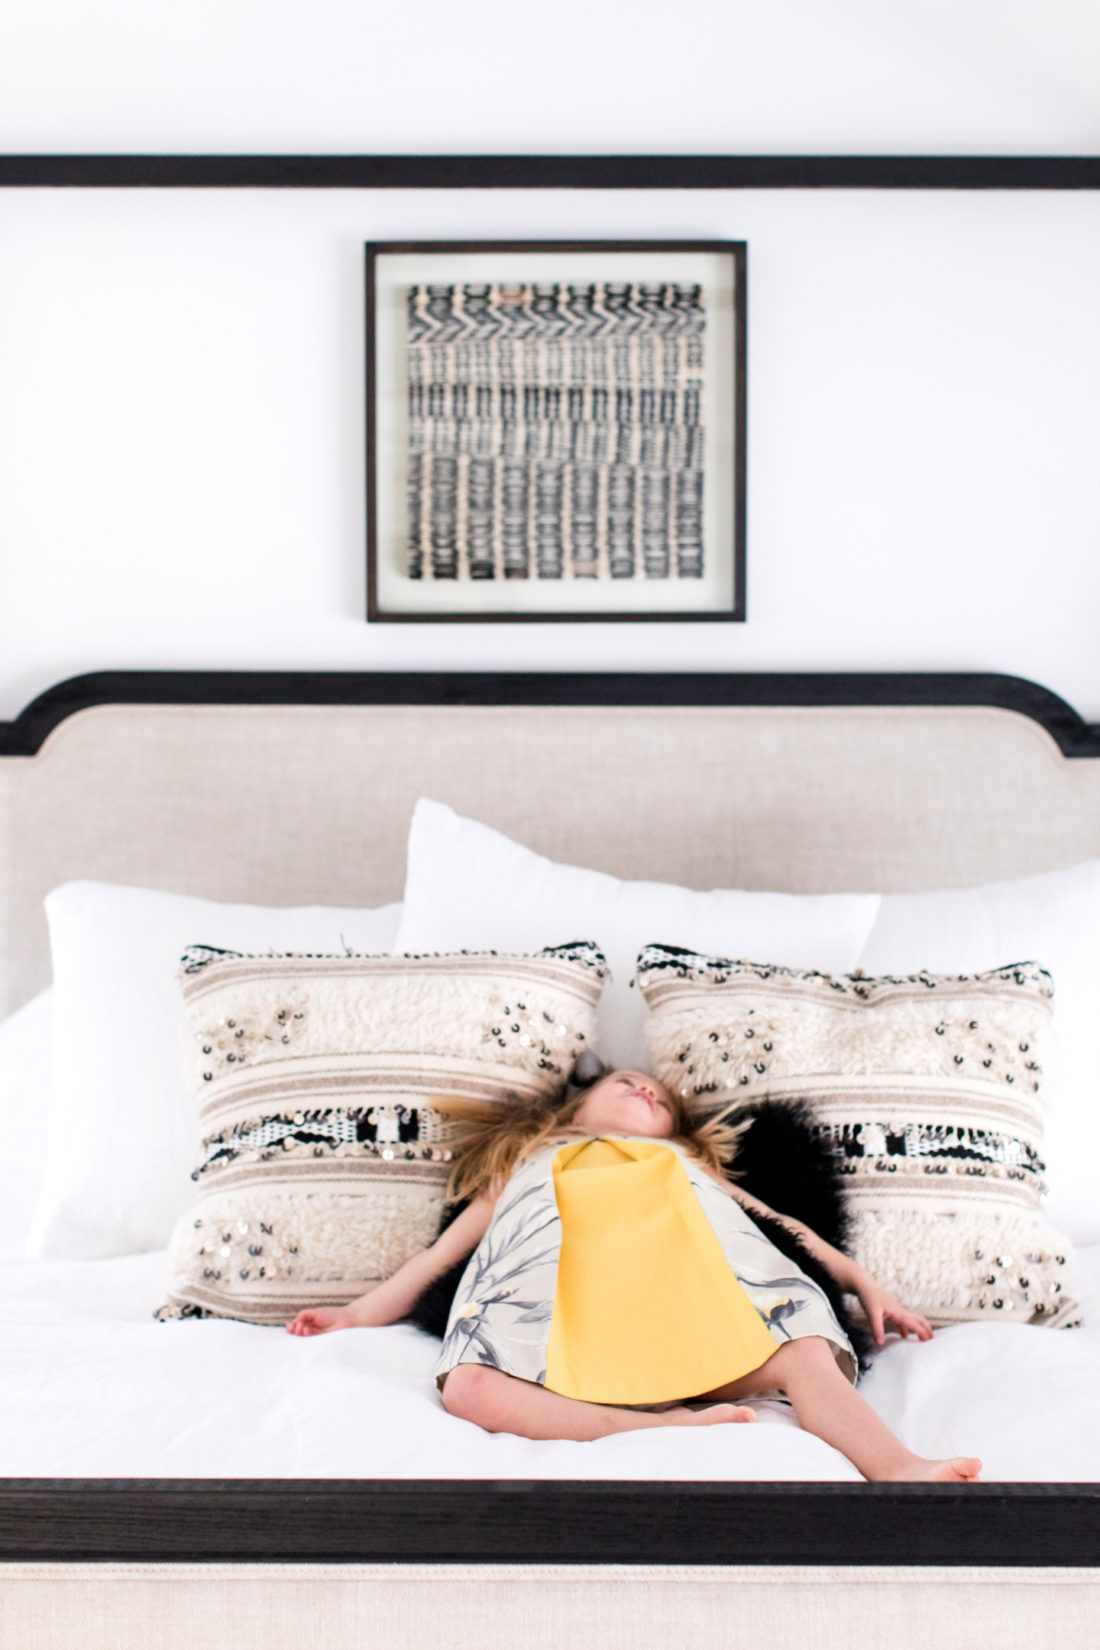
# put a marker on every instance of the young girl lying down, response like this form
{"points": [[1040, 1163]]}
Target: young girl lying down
{"points": [[616, 1276]]}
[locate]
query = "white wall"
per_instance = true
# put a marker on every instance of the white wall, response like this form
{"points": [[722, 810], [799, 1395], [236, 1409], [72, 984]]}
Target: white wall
{"points": [[615, 76], [181, 373]]}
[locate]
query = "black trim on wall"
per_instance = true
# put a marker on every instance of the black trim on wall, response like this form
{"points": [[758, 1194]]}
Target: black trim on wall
{"points": [[25, 735], [541, 1521], [550, 171]]}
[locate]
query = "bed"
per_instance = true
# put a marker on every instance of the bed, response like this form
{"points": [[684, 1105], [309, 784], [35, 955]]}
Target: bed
{"points": [[319, 1493]]}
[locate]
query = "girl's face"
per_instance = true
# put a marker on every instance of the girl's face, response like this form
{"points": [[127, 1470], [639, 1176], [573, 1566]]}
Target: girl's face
{"points": [[628, 1102]]}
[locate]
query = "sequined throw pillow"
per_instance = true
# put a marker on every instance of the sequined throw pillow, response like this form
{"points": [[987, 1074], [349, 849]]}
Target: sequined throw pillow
{"points": [[324, 1162], [931, 1088]]}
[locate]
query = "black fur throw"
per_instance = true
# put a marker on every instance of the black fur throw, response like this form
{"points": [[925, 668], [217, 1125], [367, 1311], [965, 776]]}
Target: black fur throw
{"points": [[432, 1307], [788, 1164], [783, 1161]]}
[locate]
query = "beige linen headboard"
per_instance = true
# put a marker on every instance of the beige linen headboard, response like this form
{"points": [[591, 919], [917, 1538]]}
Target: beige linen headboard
{"points": [[284, 790]]}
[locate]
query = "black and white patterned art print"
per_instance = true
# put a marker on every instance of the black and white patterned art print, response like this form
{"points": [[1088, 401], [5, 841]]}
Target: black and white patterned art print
{"points": [[555, 430]]}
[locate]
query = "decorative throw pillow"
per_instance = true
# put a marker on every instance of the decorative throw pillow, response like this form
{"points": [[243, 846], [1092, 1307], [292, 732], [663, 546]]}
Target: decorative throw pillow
{"points": [[929, 1085], [1055, 916], [325, 1163]]}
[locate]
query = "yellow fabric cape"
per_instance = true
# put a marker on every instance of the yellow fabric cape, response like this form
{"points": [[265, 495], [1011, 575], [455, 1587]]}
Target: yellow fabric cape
{"points": [[646, 1307]]}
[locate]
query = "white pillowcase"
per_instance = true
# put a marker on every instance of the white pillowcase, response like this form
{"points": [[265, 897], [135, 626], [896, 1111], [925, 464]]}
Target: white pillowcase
{"points": [[24, 1092], [469, 887], [122, 1132], [1055, 919]]}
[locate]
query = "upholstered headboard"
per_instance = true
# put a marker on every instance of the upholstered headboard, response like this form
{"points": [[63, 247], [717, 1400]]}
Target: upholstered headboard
{"points": [[295, 789]]}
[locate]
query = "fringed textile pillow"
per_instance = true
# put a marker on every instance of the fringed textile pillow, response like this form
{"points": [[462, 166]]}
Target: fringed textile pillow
{"points": [[930, 1086], [324, 1163]]}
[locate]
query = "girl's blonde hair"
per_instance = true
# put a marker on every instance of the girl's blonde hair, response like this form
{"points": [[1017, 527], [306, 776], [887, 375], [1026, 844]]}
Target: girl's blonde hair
{"points": [[491, 1139]]}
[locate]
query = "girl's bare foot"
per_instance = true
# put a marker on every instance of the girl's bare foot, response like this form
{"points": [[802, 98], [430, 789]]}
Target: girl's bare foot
{"points": [[964, 1469], [716, 1414]]}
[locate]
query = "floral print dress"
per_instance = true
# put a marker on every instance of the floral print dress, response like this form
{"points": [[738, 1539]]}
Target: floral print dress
{"points": [[517, 1307]]}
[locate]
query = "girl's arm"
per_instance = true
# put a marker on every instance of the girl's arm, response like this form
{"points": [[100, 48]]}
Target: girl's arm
{"points": [[395, 1298], [881, 1308]]}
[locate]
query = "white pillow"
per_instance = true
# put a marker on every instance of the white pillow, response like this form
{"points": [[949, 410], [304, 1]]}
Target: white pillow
{"points": [[122, 1133], [469, 887], [24, 1093], [1055, 919]]}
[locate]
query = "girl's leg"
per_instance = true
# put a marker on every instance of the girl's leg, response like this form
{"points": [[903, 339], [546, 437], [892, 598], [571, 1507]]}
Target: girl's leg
{"points": [[828, 1405], [503, 1403]]}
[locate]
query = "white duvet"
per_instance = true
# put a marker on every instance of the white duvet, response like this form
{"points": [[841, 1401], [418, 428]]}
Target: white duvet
{"points": [[90, 1386]]}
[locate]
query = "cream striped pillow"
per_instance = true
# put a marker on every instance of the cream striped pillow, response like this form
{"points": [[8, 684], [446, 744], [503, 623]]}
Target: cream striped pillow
{"points": [[324, 1162], [931, 1088]]}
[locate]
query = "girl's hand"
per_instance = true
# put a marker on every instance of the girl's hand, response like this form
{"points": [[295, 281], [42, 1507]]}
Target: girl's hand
{"points": [[882, 1309], [319, 1320]]}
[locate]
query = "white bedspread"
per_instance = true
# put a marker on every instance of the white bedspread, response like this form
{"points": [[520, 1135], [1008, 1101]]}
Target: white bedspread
{"points": [[90, 1386]]}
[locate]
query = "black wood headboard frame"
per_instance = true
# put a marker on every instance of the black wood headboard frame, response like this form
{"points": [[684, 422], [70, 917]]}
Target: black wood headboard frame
{"points": [[1071, 733], [547, 1521]]}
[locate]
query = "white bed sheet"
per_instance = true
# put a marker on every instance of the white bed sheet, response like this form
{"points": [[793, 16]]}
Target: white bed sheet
{"points": [[90, 1386]]}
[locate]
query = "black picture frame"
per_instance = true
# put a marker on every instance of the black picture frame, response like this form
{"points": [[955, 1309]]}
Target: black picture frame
{"points": [[394, 596]]}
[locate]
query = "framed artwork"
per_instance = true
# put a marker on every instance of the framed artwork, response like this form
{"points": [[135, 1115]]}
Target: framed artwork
{"points": [[555, 430]]}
